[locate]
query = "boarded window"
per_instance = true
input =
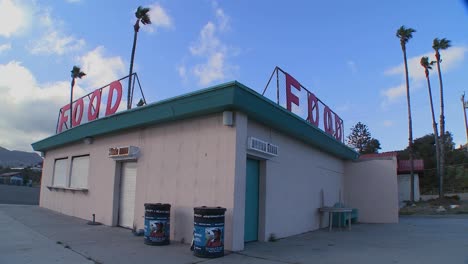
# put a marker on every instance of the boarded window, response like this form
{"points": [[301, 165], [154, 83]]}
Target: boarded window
{"points": [[79, 172], [60, 173]]}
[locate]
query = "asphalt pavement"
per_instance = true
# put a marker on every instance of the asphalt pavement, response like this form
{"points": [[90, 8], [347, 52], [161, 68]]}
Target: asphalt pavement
{"points": [[30, 234], [12, 194]]}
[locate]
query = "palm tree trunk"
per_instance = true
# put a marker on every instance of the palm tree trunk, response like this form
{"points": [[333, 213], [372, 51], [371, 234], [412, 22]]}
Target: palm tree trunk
{"points": [[71, 101], [442, 131], [136, 27], [410, 125], [434, 126]]}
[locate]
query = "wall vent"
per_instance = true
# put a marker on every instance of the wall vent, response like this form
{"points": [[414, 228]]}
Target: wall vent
{"points": [[262, 146]]}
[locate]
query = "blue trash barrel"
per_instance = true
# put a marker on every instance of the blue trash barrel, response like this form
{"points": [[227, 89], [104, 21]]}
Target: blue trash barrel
{"points": [[208, 232], [157, 224]]}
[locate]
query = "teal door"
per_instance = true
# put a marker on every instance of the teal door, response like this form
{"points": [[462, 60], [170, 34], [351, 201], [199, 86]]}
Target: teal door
{"points": [[251, 200]]}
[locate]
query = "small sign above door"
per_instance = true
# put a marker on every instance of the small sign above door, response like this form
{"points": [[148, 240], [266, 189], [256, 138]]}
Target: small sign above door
{"points": [[124, 153]]}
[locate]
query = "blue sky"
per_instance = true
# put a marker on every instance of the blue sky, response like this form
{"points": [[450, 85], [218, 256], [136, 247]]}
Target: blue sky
{"points": [[345, 52]]}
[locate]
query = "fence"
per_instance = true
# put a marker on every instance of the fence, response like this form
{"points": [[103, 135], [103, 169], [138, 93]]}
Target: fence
{"points": [[455, 180]]}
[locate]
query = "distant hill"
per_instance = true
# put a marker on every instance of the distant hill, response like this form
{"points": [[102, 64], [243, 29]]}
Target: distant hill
{"points": [[15, 158]]}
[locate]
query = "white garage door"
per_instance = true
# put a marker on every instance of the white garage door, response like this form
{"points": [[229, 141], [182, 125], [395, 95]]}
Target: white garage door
{"points": [[127, 194]]}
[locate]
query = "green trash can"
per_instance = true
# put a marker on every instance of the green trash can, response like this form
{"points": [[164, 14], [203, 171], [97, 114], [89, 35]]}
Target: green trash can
{"points": [[343, 221]]}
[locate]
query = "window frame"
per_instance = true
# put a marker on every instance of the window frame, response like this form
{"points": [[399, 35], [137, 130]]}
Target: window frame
{"points": [[70, 175], [55, 171]]}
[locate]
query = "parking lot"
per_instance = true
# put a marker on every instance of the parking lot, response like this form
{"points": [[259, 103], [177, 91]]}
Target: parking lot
{"points": [[35, 235], [11, 194]]}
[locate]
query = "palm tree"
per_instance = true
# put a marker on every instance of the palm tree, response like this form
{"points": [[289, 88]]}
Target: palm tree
{"points": [[142, 16], [428, 66], [75, 73], [437, 45], [405, 34]]}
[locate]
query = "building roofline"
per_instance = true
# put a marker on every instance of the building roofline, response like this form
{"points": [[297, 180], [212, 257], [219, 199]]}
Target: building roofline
{"points": [[232, 96]]}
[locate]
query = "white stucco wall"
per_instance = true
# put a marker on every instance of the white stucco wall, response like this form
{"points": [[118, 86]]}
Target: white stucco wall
{"points": [[371, 187], [187, 163], [292, 183], [198, 162]]}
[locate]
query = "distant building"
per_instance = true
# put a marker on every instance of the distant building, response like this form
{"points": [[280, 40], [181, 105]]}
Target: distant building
{"points": [[14, 178], [404, 179], [36, 168], [403, 173]]}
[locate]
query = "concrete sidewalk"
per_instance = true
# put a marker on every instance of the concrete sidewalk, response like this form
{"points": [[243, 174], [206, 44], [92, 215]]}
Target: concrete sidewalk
{"points": [[21, 244], [29, 234]]}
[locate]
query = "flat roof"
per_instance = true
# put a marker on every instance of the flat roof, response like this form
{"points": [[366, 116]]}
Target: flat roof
{"points": [[232, 96]]}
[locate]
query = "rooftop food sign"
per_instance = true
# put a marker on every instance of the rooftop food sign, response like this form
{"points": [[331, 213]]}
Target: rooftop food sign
{"points": [[302, 102], [88, 107], [103, 101]]}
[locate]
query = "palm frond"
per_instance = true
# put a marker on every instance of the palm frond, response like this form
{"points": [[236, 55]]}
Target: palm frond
{"points": [[435, 44], [141, 12], [405, 34], [77, 73], [426, 64], [424, 61], [441, 44], [146, 20]]}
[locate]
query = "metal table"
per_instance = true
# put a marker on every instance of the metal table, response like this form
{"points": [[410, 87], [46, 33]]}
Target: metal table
{"points": [[331, 210]]}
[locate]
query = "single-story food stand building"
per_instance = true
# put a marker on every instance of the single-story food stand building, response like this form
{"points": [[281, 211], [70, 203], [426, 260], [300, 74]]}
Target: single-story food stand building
{"points": [[223, 146]]}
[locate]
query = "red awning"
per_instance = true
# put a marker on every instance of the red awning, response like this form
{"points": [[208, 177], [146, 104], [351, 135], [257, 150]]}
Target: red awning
{"points": [[404, 166]]}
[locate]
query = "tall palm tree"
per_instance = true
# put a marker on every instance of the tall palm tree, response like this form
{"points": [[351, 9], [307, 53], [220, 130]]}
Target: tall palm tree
{"points": [[437, 45], [75, 73], [142, 16], [405, 34], [428, 66]]}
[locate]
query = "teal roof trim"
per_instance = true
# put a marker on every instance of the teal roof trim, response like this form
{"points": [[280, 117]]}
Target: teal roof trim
{"points": [[228, 96]]}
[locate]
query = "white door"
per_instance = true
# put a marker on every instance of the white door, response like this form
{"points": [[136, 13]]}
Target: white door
{"points": [[127, 194]]}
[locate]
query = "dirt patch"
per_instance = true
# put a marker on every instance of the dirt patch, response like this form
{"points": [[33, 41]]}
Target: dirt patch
{"points": [[443, 206]]}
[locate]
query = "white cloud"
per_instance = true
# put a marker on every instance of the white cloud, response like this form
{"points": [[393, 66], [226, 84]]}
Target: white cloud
{"points": [[388, 123], [207, 42], [13, 18], [352, 66], [211, 71], [52, 38], [57, 43], [45, 19], [451, 58], [393, 93], [182, 71], [223, 19], [213, 51], [100, 69], [159, 18], [32, 107], [5, 47]]}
